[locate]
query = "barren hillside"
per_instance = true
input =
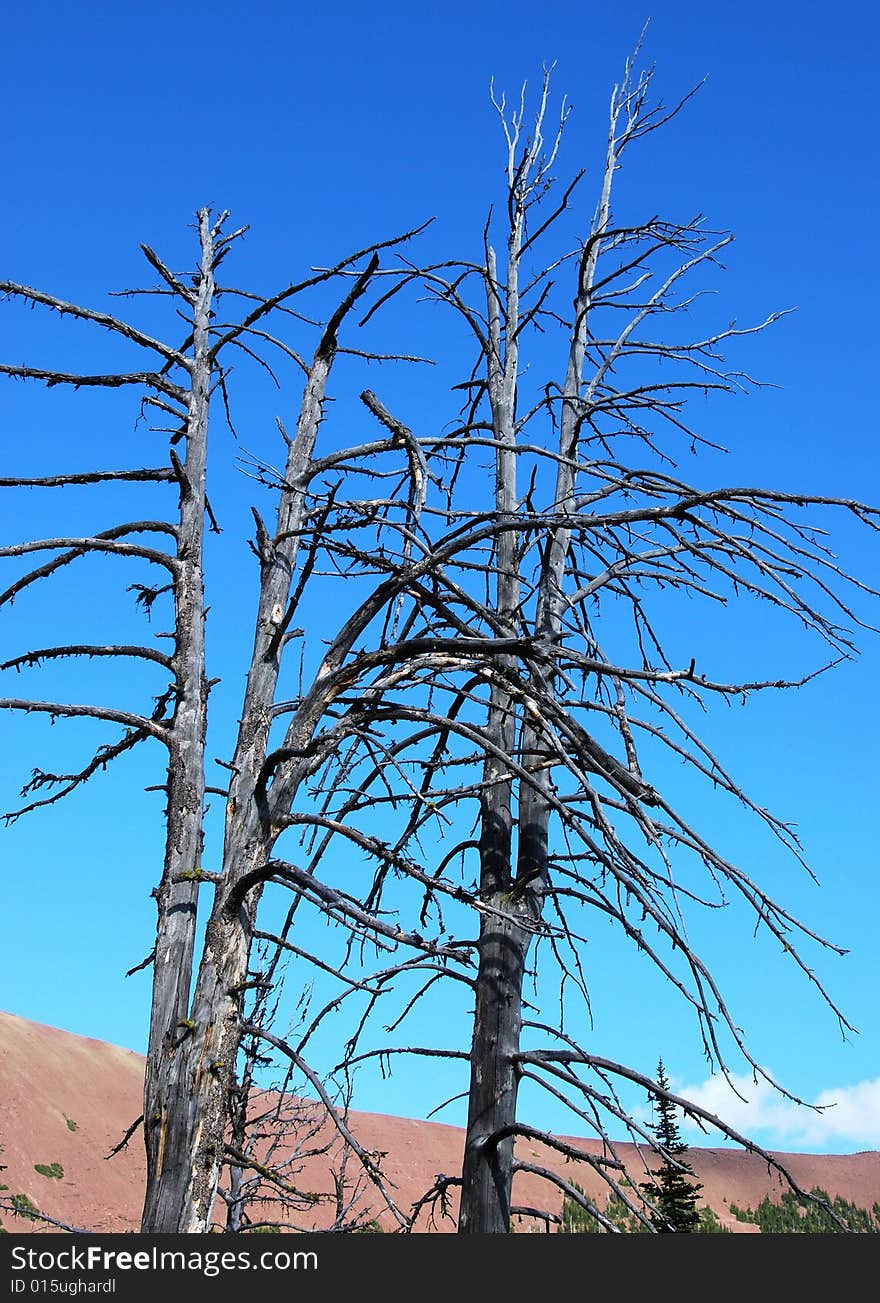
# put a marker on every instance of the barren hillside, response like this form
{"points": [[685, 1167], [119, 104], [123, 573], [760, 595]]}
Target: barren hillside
{"points": [[67, 1100]]}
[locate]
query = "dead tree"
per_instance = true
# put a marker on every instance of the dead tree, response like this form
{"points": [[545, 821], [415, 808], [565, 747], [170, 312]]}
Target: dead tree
{"points": [[570, 818], [539, 685], [285, 1165], [195, 1029], [472, 764]]}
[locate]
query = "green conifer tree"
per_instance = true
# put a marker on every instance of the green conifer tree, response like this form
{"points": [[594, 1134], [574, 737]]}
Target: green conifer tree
{"points": [[673, 1196]]}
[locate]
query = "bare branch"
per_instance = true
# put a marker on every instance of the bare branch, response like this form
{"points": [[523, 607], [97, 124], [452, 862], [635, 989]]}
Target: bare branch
{"points": [[87, 477], [12, 290]]}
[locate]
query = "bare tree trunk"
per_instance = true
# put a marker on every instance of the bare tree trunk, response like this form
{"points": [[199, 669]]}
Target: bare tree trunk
{"points": [[487, 1167], [177, 895], [487, 1173], [196, 1085], [200, 1060]]}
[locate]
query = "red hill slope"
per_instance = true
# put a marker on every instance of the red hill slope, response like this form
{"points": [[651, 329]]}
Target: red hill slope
{"points": [[68, 1100]]}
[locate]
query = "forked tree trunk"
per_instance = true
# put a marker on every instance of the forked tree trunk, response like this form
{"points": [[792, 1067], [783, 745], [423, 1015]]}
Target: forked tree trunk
{"points": [[193, 1067], [514, 876]]}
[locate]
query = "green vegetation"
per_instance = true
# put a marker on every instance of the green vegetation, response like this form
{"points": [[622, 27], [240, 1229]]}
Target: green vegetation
{"points": [[802, 1217], [23, 1206], [577, 1221], [710, 1224], [789, 1215], [669, 1203], [71, 1125], [53, 1171], [672, 1196]]}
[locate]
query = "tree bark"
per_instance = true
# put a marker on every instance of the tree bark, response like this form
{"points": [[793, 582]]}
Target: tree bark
{"points": [[487, 1172], [487, 1167], [187, 1119], [177, 894], [191, 1133]]}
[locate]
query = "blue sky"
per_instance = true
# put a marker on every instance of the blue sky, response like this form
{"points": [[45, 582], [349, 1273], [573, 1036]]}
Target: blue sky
{"points": [[326, 128]]}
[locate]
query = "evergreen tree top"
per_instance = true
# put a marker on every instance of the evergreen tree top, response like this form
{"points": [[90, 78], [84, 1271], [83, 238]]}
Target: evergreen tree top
{"points": [[674, 1196]]}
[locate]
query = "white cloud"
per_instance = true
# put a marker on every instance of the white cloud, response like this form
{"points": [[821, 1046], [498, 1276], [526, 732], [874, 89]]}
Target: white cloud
{"points": [[850, 1119]]}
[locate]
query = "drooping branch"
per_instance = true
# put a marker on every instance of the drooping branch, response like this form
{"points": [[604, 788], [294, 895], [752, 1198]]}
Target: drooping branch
{"points": [[368, 1162], [70, 549], [704, 1118], [67, 783], [337, 905], [40, 654], [114, 324], [59, 709]]}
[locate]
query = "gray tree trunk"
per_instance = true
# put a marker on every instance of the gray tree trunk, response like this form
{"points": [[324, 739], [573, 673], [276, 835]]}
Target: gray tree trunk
{"points": [[514, 849], [177, 895], [487, 1167], [187, 1117]]}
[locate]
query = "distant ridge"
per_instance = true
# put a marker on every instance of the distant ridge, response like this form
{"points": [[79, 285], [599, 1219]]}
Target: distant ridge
{"points": [[68, 1100]]}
